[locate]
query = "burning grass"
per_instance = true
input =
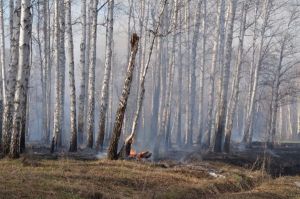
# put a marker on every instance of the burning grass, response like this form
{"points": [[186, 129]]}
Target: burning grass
{"points": [[64, 178]]}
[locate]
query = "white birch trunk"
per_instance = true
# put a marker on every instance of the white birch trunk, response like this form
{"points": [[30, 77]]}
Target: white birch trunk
{"points": [[87, 62], [180, 86], [202, 73], [22, 76], [57, 112], [112, 153], [192, 91], [211, 96], [62, 59], [83, 68], [172, 63], [222, 107], [46, 74], [2, 55], [91, 78], [42, 68], [251, 108], [2, 71], [105, 85], [11, 80], [141, 94], [188, 66], [252, 68], [73, 123], [232, 107]]}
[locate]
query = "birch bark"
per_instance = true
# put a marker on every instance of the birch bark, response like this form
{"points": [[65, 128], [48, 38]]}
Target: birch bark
{"points": [[57, 112], [83, 68], [91, 78], [127, 145], [202, 72], [232, 107], [180, 86], [105, 84], [2, 55], [73, 123], [166, 122], [188, 66], [2, 72], [211, 95], [247, 138], [222, 107], [11, 80], [113, 145], [22, 77]]}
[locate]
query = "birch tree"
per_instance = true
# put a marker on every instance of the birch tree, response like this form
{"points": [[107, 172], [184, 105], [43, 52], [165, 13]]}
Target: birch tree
{"points": [[83, 68], [166, 122], [73, 123], [46, 72], [280, 75], [180, 86], [58, 96], [42, 64], [202, 71], [91, 78], [247, 138], [222, 107], [22, 77], [2, 55], [105, 85], [2, 73], [211, 95], [129, 140], [62, 60], [236, 82], [188, 126], [113, 145], [11, 80]]}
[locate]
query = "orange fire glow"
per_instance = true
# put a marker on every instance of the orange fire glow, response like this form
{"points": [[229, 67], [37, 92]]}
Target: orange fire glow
{"points": [[132, 152]]}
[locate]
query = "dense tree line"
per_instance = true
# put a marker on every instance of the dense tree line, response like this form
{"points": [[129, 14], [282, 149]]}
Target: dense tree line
{"points": [[199, 74]]}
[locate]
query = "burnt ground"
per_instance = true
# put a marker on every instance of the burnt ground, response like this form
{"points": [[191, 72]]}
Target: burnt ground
{"points": [[283, 160], [180, 174]]}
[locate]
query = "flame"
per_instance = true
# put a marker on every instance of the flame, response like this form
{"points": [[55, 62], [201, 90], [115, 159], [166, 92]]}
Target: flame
{"points": [[132, 152]]}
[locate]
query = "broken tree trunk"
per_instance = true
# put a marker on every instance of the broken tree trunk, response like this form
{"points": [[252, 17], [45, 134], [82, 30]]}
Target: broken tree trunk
{"points": [[113, 145], [125, 150]]}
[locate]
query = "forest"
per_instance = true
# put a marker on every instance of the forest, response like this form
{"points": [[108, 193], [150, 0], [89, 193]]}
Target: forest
{"points": [[149, 99]]}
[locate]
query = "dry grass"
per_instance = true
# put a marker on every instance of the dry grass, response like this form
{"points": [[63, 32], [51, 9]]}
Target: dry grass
{"points": [[125, 179], [280, 188]]}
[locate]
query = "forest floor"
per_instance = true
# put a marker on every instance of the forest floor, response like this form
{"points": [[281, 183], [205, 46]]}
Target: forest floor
{"points": [[33, 176]]}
